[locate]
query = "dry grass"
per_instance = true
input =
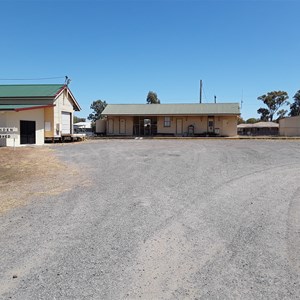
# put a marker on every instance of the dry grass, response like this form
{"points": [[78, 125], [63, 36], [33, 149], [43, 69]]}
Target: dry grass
{"points": [[27, 173]]}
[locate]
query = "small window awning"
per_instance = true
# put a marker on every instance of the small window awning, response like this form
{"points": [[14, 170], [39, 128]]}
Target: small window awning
{"points": [[21, 107]]}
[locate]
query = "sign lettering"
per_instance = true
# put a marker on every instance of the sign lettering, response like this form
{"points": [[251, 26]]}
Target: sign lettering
{"points": [[8, 129], [6, 136]]}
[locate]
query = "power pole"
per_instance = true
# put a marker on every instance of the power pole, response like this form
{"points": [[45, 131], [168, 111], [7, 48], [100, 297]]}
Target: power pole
{"points": [[201, 91]]}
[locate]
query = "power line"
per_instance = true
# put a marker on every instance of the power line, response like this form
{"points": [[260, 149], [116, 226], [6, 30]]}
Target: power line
{"points": [[44, 78]]}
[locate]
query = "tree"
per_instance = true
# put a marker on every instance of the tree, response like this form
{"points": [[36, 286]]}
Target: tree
{"points": [[295, 107], [78, 119], [152, 98], [240, 120], [98, 107], [265, 114], [281, 114], [252, 120], [273, 100]]}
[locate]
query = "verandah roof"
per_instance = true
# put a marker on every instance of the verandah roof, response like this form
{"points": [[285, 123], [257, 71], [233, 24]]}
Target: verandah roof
{"points": [[172, 109], [20, 107]]}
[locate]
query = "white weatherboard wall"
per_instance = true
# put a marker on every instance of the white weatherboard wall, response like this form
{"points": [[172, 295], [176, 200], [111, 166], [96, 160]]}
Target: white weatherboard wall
{"points": [[2, 124], [12, 119], [62, 104]]}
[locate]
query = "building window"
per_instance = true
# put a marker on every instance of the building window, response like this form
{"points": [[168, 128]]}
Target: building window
{"points": [[167, 122]]}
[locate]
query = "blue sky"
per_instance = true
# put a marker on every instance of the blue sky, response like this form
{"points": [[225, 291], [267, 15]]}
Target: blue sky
{"points": [[119, 50]]}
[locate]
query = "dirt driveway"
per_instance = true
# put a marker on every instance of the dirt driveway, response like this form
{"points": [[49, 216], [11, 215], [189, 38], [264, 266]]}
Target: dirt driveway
{"points": [[29, 172]]}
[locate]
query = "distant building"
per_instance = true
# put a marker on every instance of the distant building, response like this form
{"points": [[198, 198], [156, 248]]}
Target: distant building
{"points": [[83, 128], [172, 119], [260, 128], [82, 125], [290, 126]]}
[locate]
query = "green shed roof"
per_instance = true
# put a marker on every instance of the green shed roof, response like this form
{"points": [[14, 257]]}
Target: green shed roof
{"points": [[29, 90], [172, 109]]}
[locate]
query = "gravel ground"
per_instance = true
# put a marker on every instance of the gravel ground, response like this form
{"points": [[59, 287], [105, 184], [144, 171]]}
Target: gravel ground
{"points": [[161, 219]]}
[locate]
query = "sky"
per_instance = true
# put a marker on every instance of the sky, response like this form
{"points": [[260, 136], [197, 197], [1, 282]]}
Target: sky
{"points": [[118, 51]]}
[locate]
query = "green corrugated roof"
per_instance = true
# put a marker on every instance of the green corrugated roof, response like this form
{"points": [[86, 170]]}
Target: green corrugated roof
{"points": [[19, 106], [29, 90], [173, 109]]}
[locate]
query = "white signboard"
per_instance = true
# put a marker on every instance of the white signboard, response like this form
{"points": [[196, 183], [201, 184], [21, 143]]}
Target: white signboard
{"points": [[8, 132], [7, 136], [8, 129]]}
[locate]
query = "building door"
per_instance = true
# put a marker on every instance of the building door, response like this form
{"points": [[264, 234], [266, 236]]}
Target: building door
{"points": [[179, 130], [122, 126], [110, 126], [147, 126], [210, 125], [27, 132], [66, 123]]}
